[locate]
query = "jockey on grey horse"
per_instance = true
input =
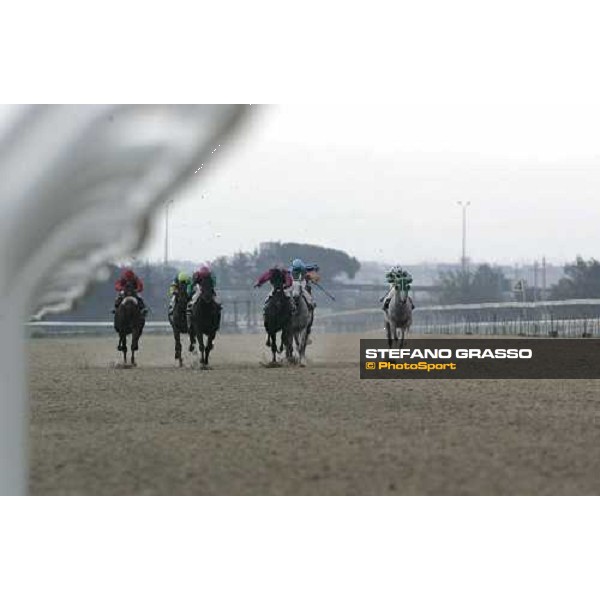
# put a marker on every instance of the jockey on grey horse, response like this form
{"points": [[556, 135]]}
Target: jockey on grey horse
{"points": [[398, 305], [305, 274], [393, 276]]}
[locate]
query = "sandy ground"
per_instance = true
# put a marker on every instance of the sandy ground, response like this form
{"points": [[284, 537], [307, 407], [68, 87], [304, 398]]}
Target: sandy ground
{"points": [[244, 429]]}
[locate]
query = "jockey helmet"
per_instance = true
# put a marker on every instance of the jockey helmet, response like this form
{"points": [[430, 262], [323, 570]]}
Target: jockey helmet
{"points": [[183, 277], [203, 271], [298, 264], [128, 274]]}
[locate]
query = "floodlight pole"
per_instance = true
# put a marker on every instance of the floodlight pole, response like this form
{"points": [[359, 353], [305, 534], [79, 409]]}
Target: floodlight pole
{"points": [[464, 206]]}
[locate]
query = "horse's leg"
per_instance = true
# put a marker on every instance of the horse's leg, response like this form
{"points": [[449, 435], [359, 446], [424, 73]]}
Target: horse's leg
{"points": [[135, 337], [192, 340], [123, 346], [289, 349], [303, 343], [273, 340], [201, 347], [394, 329], [133, 347], [402, 340], [209, 346], [297, 342], [190, 322], [388, 331], [177, 335]]}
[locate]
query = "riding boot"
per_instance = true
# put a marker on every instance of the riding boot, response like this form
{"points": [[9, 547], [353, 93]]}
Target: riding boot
{"points": [[386, 304]]}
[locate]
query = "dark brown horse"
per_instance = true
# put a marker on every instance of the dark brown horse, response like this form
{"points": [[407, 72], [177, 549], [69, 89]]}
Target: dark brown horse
{"points": [[205, 320], [178, 320], [129, 320], [278, 317]]}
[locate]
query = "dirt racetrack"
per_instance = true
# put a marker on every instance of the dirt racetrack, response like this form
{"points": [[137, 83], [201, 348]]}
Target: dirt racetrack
{"points": [[244, 429]]}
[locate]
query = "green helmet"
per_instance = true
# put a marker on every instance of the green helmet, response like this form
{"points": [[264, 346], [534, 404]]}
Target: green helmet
{"points": [[183, 277]]}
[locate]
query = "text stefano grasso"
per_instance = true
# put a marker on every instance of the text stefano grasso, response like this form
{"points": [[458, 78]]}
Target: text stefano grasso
{"points": [[445, 353]]}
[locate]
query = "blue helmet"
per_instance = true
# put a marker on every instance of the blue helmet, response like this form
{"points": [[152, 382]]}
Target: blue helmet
{"points": [[298, 264]]}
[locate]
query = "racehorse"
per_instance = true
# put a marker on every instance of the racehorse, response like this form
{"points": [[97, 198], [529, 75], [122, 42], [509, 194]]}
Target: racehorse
{"points": [[206, 320], [129, 320], [278, 318], [178, 320], [398, 314], [302, 319]]}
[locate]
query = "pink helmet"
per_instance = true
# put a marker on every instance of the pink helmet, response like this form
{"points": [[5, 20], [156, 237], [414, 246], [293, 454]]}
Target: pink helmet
{"points": [[203, 271]]}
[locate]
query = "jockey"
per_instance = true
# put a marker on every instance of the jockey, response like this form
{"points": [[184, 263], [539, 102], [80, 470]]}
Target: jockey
{"points": [[305, 274], [397, 275], [128, 279], [279, 277], [182, 280], [195, 288]]}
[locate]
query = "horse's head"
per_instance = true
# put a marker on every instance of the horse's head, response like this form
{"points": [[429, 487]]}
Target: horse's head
{"points": [[401, 290], [296, 289], [182, 292], [207, 289], [278, 296]]}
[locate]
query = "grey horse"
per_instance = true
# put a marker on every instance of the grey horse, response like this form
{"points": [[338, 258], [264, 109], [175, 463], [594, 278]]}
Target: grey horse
{"points": [[398, 314], [301, 320]]}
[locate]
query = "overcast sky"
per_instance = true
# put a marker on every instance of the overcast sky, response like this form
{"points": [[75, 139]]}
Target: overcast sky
{"points": [[382, 183]]}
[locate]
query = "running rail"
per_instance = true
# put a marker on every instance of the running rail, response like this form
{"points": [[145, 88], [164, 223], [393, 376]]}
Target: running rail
{"points": [[345, 313]]}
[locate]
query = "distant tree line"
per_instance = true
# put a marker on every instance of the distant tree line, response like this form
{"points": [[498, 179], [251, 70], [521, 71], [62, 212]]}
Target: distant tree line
{"points": [[238, 271], [243, 268], [489, 284], [582, 280], [484, 284]]}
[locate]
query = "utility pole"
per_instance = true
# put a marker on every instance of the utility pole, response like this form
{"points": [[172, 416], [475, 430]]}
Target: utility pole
{"points": [[544, 297], [463, 261]]}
